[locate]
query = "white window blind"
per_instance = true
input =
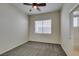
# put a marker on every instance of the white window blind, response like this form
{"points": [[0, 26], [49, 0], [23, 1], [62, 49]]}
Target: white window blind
{"points": [[43, 26], [76, 21]]}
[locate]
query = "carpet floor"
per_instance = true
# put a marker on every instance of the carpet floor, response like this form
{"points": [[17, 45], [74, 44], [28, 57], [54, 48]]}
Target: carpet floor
{"points": [[36, 49]]}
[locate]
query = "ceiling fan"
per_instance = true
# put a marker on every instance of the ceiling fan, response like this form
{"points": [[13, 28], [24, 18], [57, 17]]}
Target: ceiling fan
{"points": [[35, 5]]}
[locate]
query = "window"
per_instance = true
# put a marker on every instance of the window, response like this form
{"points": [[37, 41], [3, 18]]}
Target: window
{"points": [[43, 26], [75, 22], [76, 19]]}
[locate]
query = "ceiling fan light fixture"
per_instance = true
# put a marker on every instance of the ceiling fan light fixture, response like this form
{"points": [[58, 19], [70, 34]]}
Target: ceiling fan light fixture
{"points": [[35, 7]]}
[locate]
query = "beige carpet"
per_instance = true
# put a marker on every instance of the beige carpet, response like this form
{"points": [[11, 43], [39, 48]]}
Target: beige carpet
{"points": [[36, 49]]}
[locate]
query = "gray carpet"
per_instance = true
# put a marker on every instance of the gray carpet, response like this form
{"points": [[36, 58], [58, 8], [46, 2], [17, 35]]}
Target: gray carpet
{"points": [[36, 49]]}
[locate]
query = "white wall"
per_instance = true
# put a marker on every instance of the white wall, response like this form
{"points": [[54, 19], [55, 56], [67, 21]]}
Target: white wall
{"points": [[76, 38], [13, 28], [75, 31], [52, 38], [67, 43]]}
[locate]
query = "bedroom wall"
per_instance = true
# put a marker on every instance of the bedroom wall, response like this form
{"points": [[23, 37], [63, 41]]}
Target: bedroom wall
{"points": [[54, 37], [13, 27], [66, 39]]}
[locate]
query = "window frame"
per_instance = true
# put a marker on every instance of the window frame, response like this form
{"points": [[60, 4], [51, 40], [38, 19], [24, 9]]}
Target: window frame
{"points": [[42, 27]]}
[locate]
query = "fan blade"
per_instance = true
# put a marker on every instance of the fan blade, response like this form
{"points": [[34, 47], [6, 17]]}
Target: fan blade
{"points": [[27, 4], [41, 4], [38, 9]]}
